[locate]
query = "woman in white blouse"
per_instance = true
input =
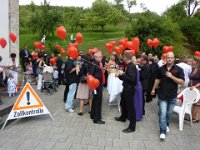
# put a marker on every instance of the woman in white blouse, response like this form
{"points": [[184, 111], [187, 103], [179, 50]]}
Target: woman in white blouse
{"points": [[13, 66]]}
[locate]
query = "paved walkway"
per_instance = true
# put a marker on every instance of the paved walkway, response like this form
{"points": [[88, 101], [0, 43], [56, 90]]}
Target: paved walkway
{"points": [[74, 132]]}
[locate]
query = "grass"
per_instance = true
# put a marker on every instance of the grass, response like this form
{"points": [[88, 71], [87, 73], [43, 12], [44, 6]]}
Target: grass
{"points": [[91, 39]]}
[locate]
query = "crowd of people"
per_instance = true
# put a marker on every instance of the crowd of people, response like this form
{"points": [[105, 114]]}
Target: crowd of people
{"points": [[165, 77]]}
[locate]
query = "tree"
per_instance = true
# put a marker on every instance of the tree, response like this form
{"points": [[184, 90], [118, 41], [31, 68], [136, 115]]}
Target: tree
{"points": [[192, 6], [130, 4], [118, 2], [150, 25], [103, 13], [45, 20]]}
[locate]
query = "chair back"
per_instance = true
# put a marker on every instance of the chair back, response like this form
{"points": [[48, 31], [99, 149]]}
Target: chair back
{"points": [[190, 96]]}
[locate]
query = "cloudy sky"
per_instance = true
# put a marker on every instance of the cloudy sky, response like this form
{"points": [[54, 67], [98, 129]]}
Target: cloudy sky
{"points": [[158, 6]]}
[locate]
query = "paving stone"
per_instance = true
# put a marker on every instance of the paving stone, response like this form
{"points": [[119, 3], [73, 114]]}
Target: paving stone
{"points": [[95, 147], [74, 139], [98, 133], [105, 142], [62, 146], [45, 146], [120, 143], [78, 147], [136, 144], [89, 141]]}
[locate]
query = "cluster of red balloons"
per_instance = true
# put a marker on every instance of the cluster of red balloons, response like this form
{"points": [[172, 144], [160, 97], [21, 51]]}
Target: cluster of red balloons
{"points": [[167, 49], [39, 45], [3, 42], [133, 45], [92, 82], [153, 43], [197, 53], [62, 51]]}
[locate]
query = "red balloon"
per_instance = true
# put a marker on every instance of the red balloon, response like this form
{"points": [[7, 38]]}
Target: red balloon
{"points": [[18, 87], [126, 39], [129, 45], [136, 41], [92, 82], [79, 37], [52, 61], [167, 49], [35, 55], [122, 42], [38, 45], [156, 42], [43, 47], [62, 51], [109, 51], [72, 52], [197, 53], [164, 55], [92, 51], [113, 43], [3, 42], [132, 52], [109, 46], [121, 47], [13, 37], [57, 46], [118, 50], [171, 48], [150, 43], [61, 32]]}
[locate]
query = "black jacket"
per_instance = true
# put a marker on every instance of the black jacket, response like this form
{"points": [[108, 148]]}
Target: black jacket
{"points": [[144, 76], [96, 71], [59, 64], [129, 77], [70, 77]]}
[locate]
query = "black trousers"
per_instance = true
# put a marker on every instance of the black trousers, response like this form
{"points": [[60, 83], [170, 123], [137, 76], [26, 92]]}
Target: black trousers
{"points": [[59, 77], [144, 101], [127, 106], [24, 66], [97, 104]]}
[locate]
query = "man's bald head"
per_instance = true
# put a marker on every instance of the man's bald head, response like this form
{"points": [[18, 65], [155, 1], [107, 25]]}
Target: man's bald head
{"points": [[170, 58]]}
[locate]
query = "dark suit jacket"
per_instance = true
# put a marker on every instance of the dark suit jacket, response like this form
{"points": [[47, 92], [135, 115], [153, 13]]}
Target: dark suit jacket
{"points": [[144, 76], [24, 56]]}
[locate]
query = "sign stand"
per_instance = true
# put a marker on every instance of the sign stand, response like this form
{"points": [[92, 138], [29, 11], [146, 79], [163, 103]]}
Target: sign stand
{"points": [[28, 104]]}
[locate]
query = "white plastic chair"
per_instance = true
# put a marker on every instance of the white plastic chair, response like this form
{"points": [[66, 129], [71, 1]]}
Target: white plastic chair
{"points": [[189, 98]]}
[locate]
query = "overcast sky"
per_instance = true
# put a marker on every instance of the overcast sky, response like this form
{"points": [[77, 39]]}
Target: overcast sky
{"points": [[158, 6]]}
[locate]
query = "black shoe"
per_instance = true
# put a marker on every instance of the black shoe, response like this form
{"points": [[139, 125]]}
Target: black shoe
{"points": [[89, 112], [128, 130], [99, 122], [91, 117], [120, 119], [80, 113]]}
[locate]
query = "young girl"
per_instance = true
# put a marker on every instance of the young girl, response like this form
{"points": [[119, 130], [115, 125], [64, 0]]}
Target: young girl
{"points": [[11, 86]]}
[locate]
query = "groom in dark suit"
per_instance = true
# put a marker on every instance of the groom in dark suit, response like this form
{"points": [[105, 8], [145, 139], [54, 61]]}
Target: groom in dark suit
{"points": [[24, 54]]}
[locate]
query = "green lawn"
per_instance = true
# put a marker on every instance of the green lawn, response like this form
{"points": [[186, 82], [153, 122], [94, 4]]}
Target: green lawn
{"points": [[91, 39]]}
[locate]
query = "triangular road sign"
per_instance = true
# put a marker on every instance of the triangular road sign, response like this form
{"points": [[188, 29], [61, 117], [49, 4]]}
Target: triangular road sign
{"points": [[28, 104], [27, 99]]}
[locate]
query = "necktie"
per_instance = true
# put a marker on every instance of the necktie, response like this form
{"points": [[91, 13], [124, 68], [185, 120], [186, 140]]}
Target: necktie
{"points": [[102, 72]]}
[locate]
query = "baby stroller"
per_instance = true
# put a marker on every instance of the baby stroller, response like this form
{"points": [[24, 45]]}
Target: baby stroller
{"points": [[47, 82]]}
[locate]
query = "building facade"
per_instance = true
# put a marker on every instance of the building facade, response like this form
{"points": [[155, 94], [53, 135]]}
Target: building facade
{"points": [[9, 22]]}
